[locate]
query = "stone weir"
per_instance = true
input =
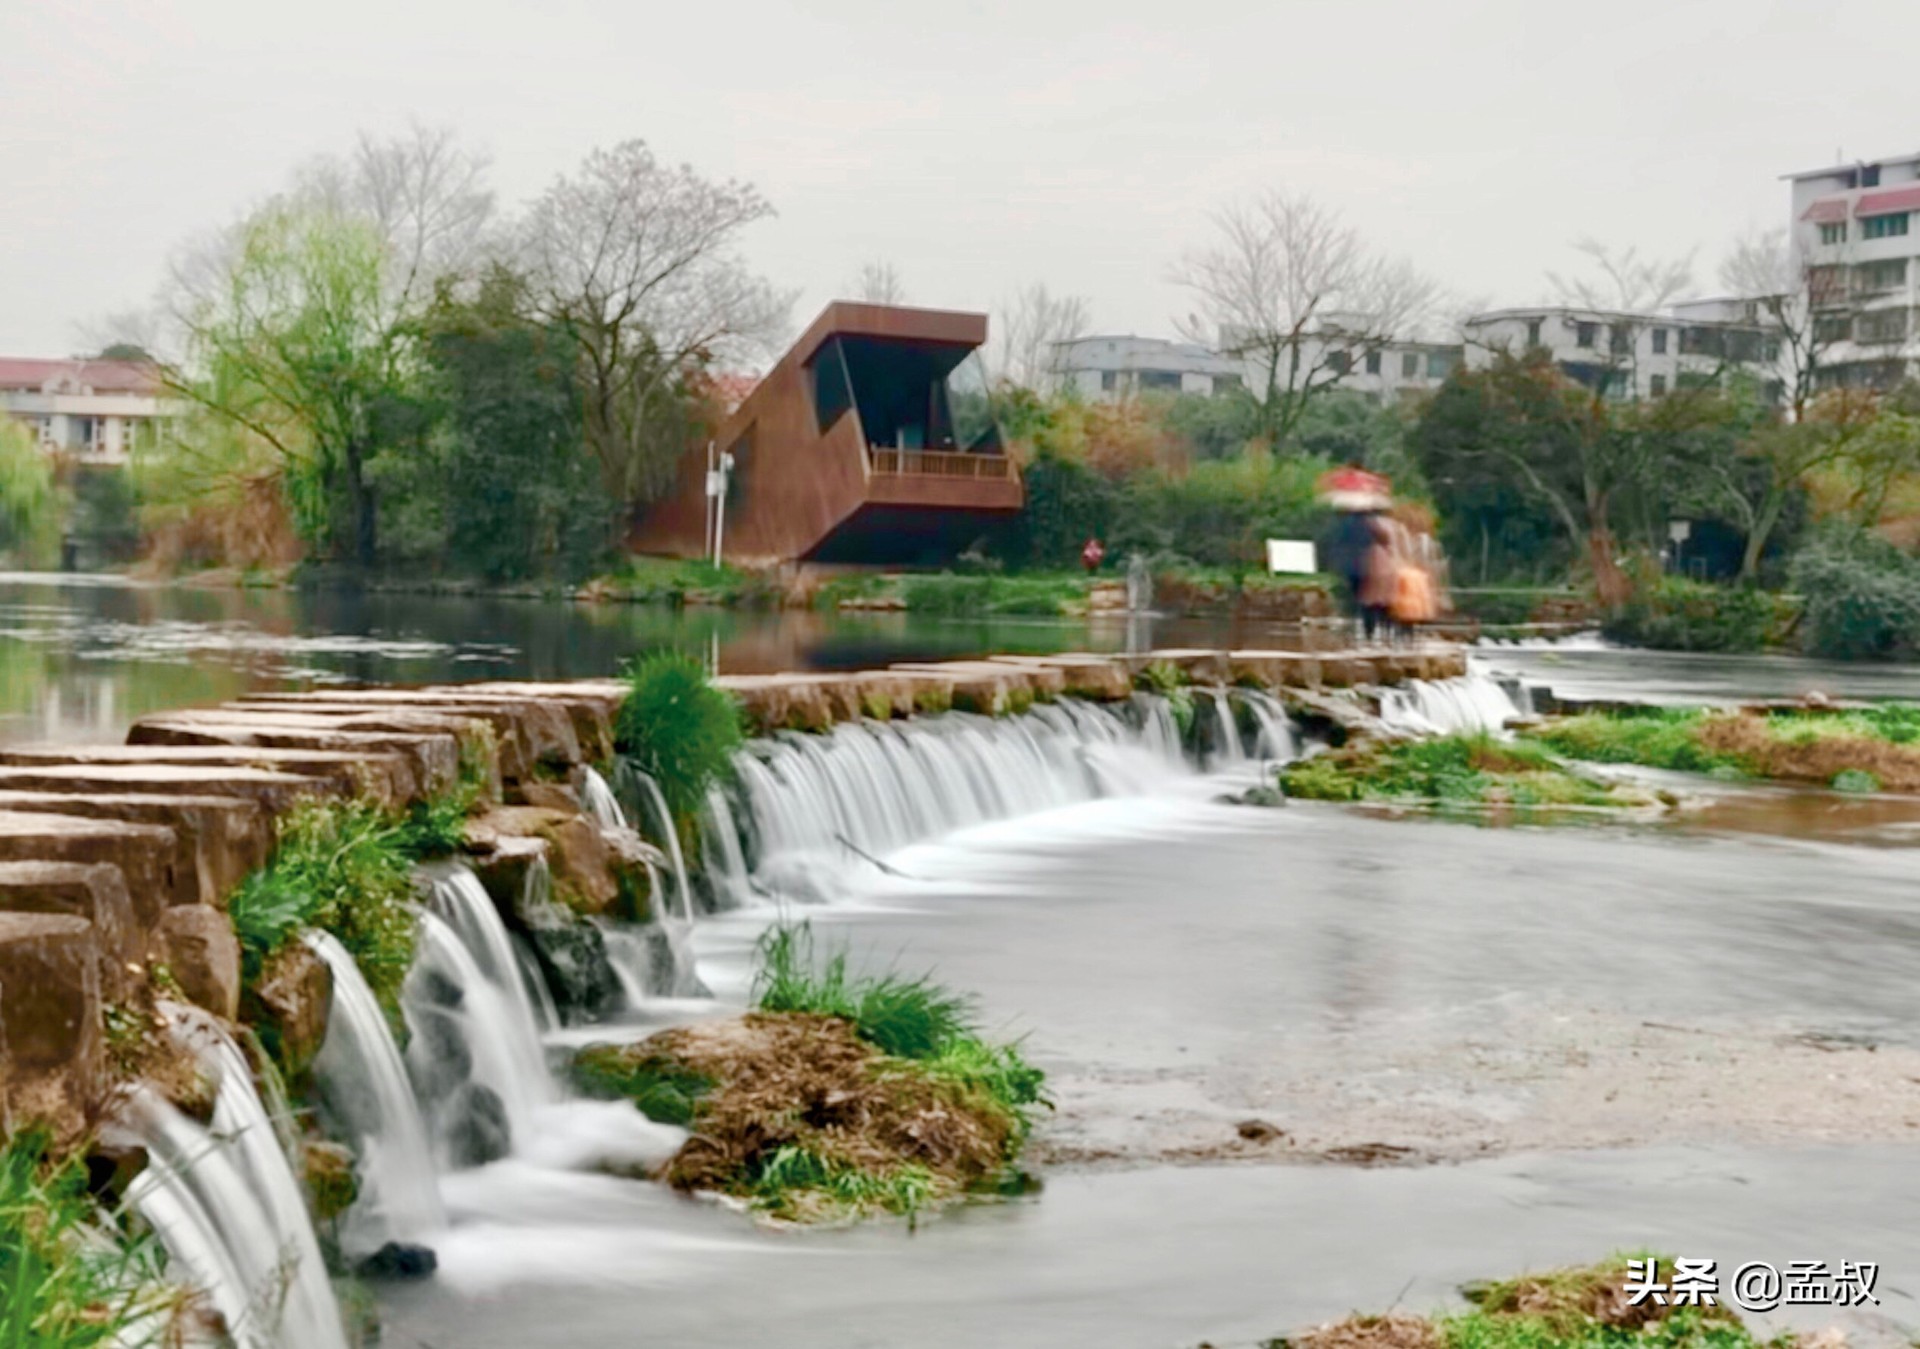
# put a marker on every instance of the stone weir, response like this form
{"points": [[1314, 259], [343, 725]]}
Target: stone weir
{"points": [[115, 858]]}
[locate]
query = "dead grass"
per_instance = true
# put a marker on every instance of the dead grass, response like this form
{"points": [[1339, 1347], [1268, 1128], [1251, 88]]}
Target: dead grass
{"points": [[1566, 1300], [1810, 755], [808, 1121], [1396, 1330]]}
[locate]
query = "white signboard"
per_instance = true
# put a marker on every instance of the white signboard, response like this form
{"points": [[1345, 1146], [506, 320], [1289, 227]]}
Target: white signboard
{"points": [[1291, 555]]}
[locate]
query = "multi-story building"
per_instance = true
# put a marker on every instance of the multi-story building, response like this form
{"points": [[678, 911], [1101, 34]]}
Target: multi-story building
{"points": [[1116, 367], [1380, 372], [1856, 240], [98, 412], [1634, 355]]}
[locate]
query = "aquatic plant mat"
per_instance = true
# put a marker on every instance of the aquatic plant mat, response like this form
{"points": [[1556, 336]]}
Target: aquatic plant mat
{"points": [[1474, 773], [1588, 1307], [1866, 749], [839, 1098]]}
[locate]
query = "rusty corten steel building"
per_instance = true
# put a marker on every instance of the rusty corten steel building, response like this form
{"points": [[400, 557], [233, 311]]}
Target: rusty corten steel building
{"points": [[864, 444]]}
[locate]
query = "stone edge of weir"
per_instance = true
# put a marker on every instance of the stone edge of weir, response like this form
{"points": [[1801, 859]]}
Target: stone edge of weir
{"points": [[116, 857]]}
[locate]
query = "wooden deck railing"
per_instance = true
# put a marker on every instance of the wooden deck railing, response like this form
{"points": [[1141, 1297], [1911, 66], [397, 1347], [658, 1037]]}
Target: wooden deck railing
{"points": [[940, 464]]}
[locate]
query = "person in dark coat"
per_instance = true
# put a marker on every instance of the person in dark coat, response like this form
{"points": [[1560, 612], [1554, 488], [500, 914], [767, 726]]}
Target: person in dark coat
{"points": [[1348, 541]]}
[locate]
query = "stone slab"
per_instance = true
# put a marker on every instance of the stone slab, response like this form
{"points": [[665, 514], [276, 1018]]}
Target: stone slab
{"points": [[144, 853], [50, 1005], [96, 892], [221, 838]]}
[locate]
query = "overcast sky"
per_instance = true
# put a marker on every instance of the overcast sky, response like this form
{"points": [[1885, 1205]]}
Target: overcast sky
{"points": [[975, 146]]}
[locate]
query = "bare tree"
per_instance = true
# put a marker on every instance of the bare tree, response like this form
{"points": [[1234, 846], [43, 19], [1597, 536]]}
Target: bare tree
{"points": [[1293, 291], [1629, 291], [1623, 282], [878, 283], [638, 261], [1033, 325], [426, 196], [1805, 309]]}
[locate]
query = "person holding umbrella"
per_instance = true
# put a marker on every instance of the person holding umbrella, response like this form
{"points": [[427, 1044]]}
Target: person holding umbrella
{"points": [[1357, 497]]}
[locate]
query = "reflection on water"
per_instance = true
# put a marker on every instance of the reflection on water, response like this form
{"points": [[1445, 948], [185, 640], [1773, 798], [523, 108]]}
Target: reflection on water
{"points": [[81, 657]]}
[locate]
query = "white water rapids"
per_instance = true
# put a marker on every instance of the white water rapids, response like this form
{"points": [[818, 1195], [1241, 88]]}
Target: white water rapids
{"points": [[468, 1119]]}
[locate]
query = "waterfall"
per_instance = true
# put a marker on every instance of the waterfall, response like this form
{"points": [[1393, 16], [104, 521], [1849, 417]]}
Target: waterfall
{"points": [[655, 807], [1276, 740], [726, 861], [600, 801], [1227, 749], [475, 1057], [363, 1086], [869, 787], [457, 896], [1470, 703], [228, 1207]]}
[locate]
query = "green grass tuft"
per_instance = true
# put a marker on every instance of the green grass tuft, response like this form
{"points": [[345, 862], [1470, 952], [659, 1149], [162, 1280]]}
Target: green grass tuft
{"points": [[677, 728], [664, 1090], [69, 1279]]}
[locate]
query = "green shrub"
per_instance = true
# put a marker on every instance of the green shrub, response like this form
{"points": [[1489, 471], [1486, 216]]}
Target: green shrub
{"points": [[1676, 614], [1860, 597], [68, 1278], [664, 1090], [344, 867], [677, 728], [1855, 780]]}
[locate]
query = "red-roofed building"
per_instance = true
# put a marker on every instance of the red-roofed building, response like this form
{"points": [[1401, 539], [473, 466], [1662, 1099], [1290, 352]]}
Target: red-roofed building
{"points": [[100, 412], [1856, 232]]}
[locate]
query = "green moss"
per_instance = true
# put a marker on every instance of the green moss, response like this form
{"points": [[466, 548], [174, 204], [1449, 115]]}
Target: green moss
{"points": [[1653, 738], [663, 1090], [1460, 770]]}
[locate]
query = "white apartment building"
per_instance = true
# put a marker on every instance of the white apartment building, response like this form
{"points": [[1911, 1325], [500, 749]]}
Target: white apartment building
{"points": [[97, 412], [1384, 373], [1633, 355], [1116, 367], [1856, 238]]}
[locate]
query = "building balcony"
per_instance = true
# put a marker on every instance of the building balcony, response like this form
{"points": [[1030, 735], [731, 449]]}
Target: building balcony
{"points": [[949, 478]]}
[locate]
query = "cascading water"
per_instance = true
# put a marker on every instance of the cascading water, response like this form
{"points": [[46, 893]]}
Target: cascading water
{"points": [[1472, 702], [1227, 749], [600, 801], [653, 820], [228, 1208], [1276, 741], [457, 896], [364, 1089], [474, 1058], [869, 788], [726, 861]]}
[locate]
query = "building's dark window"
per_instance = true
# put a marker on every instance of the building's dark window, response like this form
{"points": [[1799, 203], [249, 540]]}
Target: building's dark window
{"points": [[1109, 380], [1884, 226], [1533, 332], [1833, 232], [1586, 334], [1439, 364], [1373, 362], [1620, 339], [1409, 364], [832, 387], [1340, 362], [1870, 175], [1160, 379], [1657, 386], [1659, 341]]}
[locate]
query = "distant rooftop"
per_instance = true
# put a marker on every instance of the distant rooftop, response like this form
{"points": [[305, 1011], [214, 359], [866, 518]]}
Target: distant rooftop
{"points": [[1844, 165], [32, 374]]}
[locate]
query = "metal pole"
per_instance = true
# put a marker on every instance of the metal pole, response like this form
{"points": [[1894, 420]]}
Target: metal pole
{"points": [[720, 509]]}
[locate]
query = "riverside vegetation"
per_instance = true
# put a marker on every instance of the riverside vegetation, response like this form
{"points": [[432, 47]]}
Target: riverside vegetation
{"points": [[1585, 1307], [1866, 749], [837, 1097]]}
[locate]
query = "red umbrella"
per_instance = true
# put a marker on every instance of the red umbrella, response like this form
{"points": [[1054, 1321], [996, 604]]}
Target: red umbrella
{"points": [[1354, 489]]}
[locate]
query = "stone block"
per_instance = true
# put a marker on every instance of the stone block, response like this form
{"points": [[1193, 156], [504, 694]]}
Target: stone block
{"points": [[144, 853], [290, 1005], [201, 950], [220, 838], [96, 892], [50, 1006]]}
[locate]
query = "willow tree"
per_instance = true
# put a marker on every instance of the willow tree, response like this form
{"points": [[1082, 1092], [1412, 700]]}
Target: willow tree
{"points": [[300, 324], [30, 504], [638, 262]]}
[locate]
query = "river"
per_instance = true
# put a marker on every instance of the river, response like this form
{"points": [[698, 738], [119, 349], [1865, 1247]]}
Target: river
{"points": [[1468, 1051]]}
